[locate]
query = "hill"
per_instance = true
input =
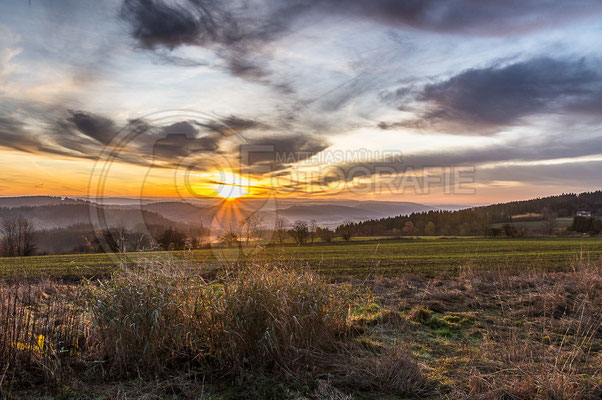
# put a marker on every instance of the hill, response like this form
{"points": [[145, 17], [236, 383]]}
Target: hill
{"points": [[36, 201], [479, 220]]}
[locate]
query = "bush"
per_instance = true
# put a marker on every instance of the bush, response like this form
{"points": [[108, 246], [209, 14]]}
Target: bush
{"points": [[257, 317], [274, 317]]}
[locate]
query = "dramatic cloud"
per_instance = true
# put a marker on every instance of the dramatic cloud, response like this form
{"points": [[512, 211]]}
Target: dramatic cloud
{"points": [[550, 148], [275, 153], [478, 100], [159, 23], [97, 127], [181, 140], [232, 125], [13, 135], [82, 134], [239, 31], [465, 16], [231, 29]]}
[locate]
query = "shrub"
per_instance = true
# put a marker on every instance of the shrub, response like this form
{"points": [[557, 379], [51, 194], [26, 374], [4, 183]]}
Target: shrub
{"points": [[392, 370], [273, 317], [258, 317], [140, 318]]}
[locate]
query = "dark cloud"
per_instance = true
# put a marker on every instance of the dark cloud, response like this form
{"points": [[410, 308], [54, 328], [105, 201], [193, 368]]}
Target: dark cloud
{"points": [[242, 124], [300, 146], [94, 126], [170, 24], [269, 154], [478, 101], [13, 135], [180, 140], [232, 125], [82, 134], [550, 148], [230, 29], [16, 135], [157, 23], [465, 16], [240, 31]]}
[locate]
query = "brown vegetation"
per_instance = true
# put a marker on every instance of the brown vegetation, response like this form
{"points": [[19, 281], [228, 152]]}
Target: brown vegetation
{"points": [[265, 331]]}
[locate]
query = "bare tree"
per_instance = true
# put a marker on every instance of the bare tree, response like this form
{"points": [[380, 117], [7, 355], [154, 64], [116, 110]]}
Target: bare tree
{"points": [[313, 229], [9, 237], [17, 237], [300, 231], [252, 228], [231, 236], [549, 221], [203, 234], [280, 230]]}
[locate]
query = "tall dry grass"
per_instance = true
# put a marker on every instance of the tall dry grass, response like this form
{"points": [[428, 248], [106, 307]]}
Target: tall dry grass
{"points": [[41, 334], [150, 319]]}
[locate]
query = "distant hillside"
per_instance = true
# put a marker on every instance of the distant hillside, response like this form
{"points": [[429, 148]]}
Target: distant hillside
{"points": [[64, 215], [325, 213], [478, 220], [35, 201], [180, 211], [332, 215]]}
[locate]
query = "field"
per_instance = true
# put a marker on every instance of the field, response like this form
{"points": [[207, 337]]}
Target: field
{"points": [[462, 318], [377, 257]]}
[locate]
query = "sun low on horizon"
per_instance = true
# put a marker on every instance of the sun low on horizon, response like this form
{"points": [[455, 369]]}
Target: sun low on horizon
{"points": [[231, 186]]}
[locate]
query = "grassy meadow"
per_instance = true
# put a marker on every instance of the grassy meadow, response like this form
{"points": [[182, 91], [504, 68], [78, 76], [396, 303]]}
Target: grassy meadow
{"points": [[360, 257], [371, 319]]}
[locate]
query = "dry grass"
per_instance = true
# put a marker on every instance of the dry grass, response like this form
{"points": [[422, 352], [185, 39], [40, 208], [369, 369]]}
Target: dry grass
{"points": [[502, 335], [266, 331], [41, 335], [257, 317]]}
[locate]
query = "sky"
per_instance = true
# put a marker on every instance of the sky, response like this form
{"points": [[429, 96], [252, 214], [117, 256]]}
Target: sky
{"points": [[450, 102]]}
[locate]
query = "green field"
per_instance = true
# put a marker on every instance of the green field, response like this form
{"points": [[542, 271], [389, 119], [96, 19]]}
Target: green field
{"points": [[360, 258]]}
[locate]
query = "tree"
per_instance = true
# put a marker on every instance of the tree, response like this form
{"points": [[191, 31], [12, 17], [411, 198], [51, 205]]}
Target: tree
{"points": [[252, 228], [494, 232], [230, 236], [313, 229], [106, 238], [17, 237], [280, 230], [300, 231], [549, 221], [409, 229], [325, 234], [430, 229], [509, 230], [203, 233], [586, 225], [346, 230], [172, 239]]}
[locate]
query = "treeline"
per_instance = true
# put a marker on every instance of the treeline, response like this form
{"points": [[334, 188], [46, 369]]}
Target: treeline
{"points": [[18, 238], [478, 221]]}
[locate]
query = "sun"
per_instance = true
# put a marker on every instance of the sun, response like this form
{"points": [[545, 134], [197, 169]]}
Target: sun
{"points": [[231, 186]]}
